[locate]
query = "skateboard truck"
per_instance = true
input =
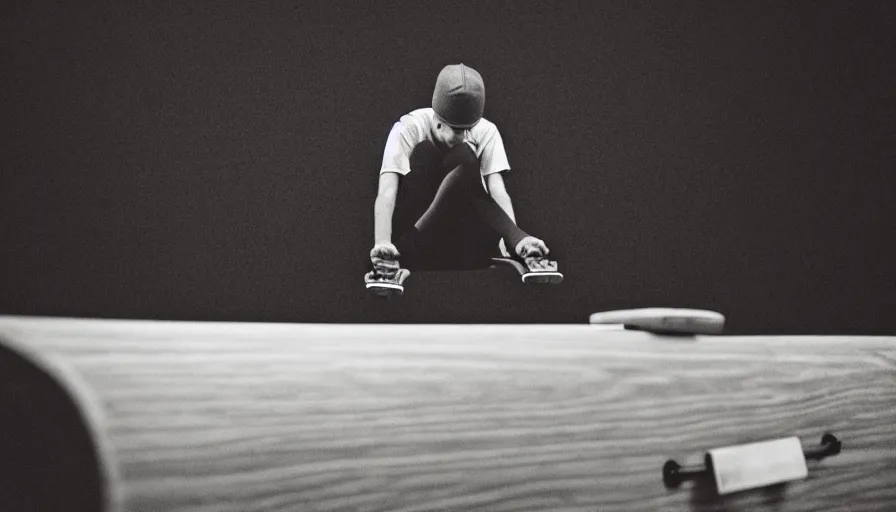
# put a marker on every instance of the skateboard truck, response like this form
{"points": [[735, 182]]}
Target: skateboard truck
{"points": [[527, 275], [663, 320], [749, 466]]}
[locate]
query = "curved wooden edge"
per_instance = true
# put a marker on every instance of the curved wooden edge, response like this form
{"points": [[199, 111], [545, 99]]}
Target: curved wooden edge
{"points": [[411, 417], [86, 405]]}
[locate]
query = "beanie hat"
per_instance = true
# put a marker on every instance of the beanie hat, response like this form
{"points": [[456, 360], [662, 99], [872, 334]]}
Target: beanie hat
{"points": [[459, 96]]}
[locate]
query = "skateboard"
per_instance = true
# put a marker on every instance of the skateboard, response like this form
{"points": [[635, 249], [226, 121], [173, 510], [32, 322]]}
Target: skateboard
{"points": [[389, 290], [529, 276]]}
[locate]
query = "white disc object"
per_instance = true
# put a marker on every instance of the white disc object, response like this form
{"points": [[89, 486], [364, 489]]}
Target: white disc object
{"points": [[672, 320]]}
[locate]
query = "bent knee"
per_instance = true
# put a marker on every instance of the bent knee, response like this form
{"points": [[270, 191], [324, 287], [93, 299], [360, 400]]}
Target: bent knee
{"points": [[461, 155]]}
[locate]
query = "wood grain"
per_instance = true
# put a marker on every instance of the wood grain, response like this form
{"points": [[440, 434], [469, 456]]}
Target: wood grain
{"points": [[277, 417]]}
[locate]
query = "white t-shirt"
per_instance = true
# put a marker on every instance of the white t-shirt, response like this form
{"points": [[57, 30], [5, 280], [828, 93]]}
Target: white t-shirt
{"points": [[416, 127]]}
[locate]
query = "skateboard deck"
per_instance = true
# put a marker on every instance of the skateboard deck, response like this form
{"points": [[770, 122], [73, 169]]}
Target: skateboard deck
{"points": [[529, 276], [384, 289]]}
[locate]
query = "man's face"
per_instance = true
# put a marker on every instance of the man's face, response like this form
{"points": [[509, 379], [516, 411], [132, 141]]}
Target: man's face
{"points": [[446, 136]]}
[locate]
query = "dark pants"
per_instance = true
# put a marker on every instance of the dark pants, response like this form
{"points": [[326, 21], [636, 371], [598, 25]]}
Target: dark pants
{"points": [[458, 238]]}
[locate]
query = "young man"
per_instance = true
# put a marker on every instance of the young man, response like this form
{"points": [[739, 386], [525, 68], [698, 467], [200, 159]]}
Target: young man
{"points": [[441, 194]]}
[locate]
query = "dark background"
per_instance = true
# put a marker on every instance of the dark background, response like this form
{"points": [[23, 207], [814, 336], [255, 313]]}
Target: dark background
{"points": [[219, 161]]}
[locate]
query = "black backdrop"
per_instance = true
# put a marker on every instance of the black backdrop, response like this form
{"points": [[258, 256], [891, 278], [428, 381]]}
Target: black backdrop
{"points": [[219, 161]]}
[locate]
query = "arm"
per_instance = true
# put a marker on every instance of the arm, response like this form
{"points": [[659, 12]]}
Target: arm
{"points": [[496, 189], [384, 207], [495, 184]]}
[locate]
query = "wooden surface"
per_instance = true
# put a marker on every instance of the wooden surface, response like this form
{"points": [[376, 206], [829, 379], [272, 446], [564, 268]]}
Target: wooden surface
{"points": [[249, 417]]}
